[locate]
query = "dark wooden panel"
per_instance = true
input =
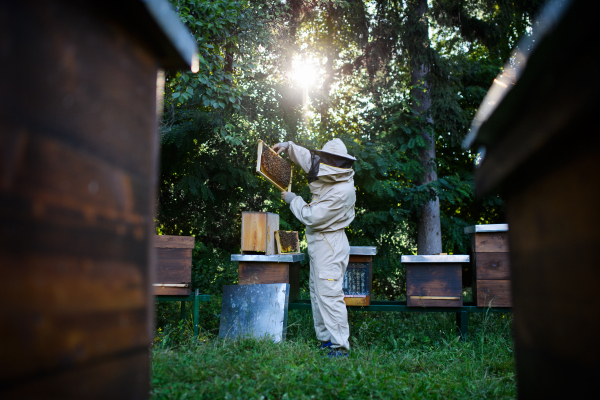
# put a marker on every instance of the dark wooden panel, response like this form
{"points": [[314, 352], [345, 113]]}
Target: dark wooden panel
{"points": [[173, 242], [493, 293], [444, 280], [493, 242], [492, 265], [294, 281], [556, 275], [173, 266], [123, 377], [45, 342], [254, 272], [78, 152], [171, 291], [360, 259]]}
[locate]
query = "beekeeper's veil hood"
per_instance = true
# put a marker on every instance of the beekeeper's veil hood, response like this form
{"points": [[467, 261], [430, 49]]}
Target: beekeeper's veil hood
{"points": [[332, 162]]}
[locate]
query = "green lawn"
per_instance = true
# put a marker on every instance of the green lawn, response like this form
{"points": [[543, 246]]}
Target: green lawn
{"points": [[394, 355]]}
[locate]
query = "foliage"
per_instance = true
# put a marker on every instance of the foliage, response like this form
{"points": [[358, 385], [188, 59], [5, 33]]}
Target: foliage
{"points": [[362, 94]]}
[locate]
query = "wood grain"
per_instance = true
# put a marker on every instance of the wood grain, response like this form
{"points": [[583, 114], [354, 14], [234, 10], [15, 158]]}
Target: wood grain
{"points": [[78, 167], [170, 291], [492, 242], [125, 377], [362, 301], [360, 259], [494, 293], [173, 265], [492, 265], [173, 242], [258, 232], [254, 227], [251, 273], [433, 280], [258, 272]]}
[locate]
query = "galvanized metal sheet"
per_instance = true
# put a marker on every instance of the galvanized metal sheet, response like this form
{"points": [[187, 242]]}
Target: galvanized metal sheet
{"points": [[487, 228], [274, 258], [255, 311], [363, 250], [435, 259]]}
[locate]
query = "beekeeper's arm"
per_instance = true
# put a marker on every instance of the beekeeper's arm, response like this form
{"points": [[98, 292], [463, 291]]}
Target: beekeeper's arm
{"points": [[298, 154], [317, 215]]}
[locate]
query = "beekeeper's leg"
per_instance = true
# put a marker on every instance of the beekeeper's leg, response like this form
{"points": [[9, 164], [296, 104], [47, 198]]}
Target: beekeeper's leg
{"points": [[320, 329], [331, 254]]}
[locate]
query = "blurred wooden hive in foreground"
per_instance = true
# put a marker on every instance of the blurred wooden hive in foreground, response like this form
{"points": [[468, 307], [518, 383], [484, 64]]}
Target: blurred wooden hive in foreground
{"points": [[287, 242], [78, 173], [274, 168]]}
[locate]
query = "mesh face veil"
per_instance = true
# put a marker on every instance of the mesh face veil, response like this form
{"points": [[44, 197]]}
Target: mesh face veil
{"points": [[321, 157]]}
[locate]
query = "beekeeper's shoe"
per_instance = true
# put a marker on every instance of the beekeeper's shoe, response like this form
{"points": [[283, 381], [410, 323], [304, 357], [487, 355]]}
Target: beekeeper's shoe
{"points": [[325, 345], [335, 353]]}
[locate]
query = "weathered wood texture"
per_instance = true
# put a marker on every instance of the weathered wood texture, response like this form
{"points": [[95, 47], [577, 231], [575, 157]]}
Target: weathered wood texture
{"points": [[554, 253], [258, 232], [493, 293], [490, 242], [251, 273], [492, 265], [173, 263], [173, 242], [78, 157], [443, 280], [543, 155]]}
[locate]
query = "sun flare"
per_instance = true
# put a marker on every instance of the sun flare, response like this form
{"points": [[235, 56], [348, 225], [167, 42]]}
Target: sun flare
{"points": [[305, 71]]}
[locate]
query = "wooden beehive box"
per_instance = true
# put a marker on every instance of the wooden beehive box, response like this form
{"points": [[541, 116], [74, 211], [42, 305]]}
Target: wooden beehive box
{"points": [[258, 233], [358, 280], [78, 174], [491, 265], [287, 242], [262, 269], [173, 265], [272, 176], [434, 281]]}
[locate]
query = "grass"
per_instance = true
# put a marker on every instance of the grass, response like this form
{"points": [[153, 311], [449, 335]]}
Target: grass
{"points": [[394, 355]]}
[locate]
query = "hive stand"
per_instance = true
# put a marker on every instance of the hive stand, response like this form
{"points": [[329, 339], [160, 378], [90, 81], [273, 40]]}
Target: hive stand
{"points": [[462, 312]]}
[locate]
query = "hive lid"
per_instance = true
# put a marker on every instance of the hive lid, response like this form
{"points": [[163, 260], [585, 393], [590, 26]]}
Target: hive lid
{"points": [[435, 259], [487, 228], [363, 250], [273, 258], [158, 26]]}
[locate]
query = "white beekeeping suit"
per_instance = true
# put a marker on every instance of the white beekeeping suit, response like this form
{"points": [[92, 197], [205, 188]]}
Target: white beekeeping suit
{"points": [[330, 211]]}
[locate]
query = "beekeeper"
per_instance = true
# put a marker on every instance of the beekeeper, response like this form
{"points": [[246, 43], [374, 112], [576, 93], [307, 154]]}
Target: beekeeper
{"points": [[330, 179]]}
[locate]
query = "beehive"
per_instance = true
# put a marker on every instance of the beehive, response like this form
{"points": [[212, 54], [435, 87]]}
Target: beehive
{"points": [[358, 279], [273, 167], [491, 265], [258, 232], [287, 242]]}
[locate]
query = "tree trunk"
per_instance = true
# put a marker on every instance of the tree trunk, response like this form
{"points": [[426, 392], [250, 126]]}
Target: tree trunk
{"points": [[429, 232]]}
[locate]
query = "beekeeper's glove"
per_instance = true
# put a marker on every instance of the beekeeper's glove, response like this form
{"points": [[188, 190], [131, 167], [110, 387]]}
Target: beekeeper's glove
{"points": [[288, 196], [280, 147]]}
